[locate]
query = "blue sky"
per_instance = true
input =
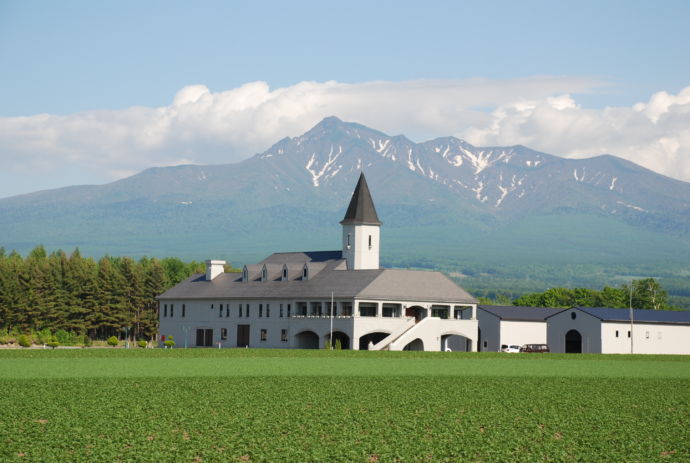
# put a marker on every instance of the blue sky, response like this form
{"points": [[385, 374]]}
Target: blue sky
{"points": [[85, 65]]}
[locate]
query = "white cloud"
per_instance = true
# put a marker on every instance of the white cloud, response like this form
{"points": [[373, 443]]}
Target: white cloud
{"points": [[204, 127], [655, 134]]}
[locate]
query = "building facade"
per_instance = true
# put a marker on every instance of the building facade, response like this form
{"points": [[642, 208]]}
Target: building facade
{"points": [[610, 331], [297, 299]]}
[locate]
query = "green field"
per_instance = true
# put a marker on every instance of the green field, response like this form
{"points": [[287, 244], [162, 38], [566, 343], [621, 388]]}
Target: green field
{"points": [[108, 405]]}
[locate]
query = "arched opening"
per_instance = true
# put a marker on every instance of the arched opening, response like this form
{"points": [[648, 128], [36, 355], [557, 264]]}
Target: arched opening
{"points": [[455, 343], [307, 340], [573, 342], [417, 312], [417, 344], [371, 339], [339, 336]]}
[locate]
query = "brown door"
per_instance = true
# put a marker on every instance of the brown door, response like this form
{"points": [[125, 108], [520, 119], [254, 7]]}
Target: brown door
{"points": [[242, 335], [204, 337], [209, 338], [200, 338]]}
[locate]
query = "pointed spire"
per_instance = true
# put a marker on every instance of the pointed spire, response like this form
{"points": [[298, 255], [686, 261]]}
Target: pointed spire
{"points": [[361, 210]]}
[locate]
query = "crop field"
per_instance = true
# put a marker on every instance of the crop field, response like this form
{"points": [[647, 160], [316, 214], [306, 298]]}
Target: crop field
{"points": [[116, 405]]}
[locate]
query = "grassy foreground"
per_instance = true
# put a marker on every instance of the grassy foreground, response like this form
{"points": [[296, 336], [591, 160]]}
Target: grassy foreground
{"points": [[264, 405]]}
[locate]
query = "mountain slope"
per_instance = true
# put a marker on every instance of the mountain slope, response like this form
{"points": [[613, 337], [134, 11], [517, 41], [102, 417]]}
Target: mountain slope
{"points": [[441, 199]]}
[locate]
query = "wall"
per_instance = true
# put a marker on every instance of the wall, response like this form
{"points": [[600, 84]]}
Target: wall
{"points": [[490, 327], [588, 326], [523, 332], [648, 338]]}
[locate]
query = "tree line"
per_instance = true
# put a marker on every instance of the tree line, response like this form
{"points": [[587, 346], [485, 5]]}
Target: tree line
{"points": [[646, 293], [113, 296]]}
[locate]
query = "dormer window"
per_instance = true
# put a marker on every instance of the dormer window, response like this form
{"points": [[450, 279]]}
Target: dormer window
{"points": [[264, 273], [305, 272], [245, 274], [285, 273]]}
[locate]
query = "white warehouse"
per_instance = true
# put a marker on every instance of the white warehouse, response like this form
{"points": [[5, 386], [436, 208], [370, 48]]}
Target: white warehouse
{"points": [[609, 331]]}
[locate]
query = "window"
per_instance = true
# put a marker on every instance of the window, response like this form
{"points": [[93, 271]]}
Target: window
{"points": [[573, 315], [369, 241], [628, 333], [392, 310], [261, 310], [281, 310], [247, 311], [172, 308], [245, 274], [264, 273], [616, 333], [367, 309], [284, 273], [227, 310], [240, 311], [486, 344], [288, 314], [223, 334], [264, 334], [220, 311], [165, 310], [348, 241], [283, 335], [346, 309], [211, 305], [268, 310], [646, 334], [183, 310], [305, 273]]}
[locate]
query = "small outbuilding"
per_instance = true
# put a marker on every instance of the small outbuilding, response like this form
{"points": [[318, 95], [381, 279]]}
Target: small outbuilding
{"points": [[610, 331], [511, 325]]}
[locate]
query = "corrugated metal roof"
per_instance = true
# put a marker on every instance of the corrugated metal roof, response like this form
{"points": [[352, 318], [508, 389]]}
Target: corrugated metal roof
{"points": [[520, 313], [639, 315]]}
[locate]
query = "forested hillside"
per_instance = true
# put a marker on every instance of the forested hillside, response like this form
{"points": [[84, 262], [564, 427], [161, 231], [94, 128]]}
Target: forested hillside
{"points": [[80, 296]]}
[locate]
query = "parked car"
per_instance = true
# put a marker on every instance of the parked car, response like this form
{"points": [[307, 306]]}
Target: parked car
{"points": [[512, 349], [535, 348]]}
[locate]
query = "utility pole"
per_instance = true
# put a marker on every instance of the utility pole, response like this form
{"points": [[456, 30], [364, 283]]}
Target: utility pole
{"points": [[631, 317]]}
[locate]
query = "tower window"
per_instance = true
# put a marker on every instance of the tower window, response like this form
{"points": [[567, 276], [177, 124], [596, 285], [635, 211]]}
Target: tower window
{"points": [[348, 241], [369, 241]]}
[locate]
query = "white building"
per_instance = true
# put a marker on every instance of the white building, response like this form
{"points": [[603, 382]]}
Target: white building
{"points": [[609, 331], [285, 300], [511, 325]]}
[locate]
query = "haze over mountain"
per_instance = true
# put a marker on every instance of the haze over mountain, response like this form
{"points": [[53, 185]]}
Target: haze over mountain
{"points": [[442, 200]]}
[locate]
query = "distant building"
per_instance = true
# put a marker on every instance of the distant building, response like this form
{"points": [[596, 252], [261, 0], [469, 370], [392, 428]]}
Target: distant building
{"points": [[284, 301], [510, 325], [608, 331]]}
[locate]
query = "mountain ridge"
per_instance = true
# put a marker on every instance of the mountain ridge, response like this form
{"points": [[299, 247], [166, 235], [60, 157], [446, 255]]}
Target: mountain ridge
{"points": [[294, 192]]}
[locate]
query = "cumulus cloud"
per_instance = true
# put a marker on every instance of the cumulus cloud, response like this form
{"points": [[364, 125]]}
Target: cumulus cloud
{"points": [[205, 127], [654, 134]]}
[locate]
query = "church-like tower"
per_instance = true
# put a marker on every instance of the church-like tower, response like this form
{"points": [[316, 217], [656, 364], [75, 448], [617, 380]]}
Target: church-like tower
{"points": [[361, 230]]}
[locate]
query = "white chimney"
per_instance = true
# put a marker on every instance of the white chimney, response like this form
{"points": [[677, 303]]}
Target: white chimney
{"points": [[214, 268]]}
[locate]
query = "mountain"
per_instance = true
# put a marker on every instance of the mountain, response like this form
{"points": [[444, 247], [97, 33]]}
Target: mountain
{"points": [[444, 202]]}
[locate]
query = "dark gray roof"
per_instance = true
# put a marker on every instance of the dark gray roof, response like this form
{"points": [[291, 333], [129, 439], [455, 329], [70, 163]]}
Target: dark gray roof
{"points": [[361, 210], [520, 313], [639, 315], [399, 285], [302, 257]]}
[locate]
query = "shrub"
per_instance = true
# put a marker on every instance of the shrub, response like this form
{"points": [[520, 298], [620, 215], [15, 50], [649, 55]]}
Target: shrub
{"points": [[170, 342], [24, 341], [4, 336], [87, 342], [112, 341], [338, 344], [141, 343], [66, 338], [52, 344], [44, 336]]}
